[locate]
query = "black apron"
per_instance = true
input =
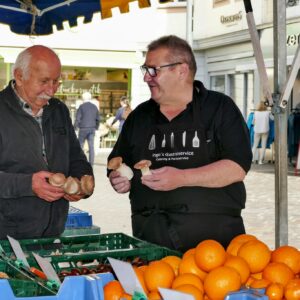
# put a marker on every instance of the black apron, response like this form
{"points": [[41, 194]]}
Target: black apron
{"points": [[179, 219]]}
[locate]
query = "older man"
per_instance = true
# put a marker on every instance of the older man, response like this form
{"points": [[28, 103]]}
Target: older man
{"points": [[200, 151], [37, 139]]}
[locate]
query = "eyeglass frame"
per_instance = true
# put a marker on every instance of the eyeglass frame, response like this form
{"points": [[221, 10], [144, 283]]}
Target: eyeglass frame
{"points": [[145, 69]]}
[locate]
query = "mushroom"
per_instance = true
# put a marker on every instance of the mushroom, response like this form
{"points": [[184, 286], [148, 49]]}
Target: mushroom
{"points": [[144, 165], [57, 179], [117, 164], [87, 184], [72, 186]]}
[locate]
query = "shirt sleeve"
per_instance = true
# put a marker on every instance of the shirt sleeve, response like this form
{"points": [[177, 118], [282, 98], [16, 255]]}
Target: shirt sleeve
{"points": [[234, 135]]}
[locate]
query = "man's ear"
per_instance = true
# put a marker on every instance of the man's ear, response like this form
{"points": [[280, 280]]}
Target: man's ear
{"points": [[184, 70], [18, 75]]}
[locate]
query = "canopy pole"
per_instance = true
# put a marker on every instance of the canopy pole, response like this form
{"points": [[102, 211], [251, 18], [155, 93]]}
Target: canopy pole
{"points": [[189, 22], [280, 74]]}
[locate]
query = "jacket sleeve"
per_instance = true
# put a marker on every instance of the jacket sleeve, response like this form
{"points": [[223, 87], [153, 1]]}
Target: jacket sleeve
{"points": [[78, 118], [97, 120]]}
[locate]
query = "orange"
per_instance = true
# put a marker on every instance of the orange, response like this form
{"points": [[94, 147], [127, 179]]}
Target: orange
{"points": [[188, 278], [257, 275], [256, 253], [278, 272], [259, 283], [189, 252], [126, 296], [142, 268], [173, 261], [249, 281], [155, 295], [292, 290], [158, 274], [275, 291], [240, 265], [188, 265], [190, 289], [209, 255], [288, 255], [238, 241], [221, 281], [113, 290], [140, 275]]}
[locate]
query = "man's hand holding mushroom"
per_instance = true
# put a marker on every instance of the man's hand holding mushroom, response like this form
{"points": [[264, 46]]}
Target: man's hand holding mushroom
{"points": [[120, 175], [164, 179], [43, 189]]}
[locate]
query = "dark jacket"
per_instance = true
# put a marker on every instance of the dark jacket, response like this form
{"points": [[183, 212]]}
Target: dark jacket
{"points": [[22, 214], [87, 116]]}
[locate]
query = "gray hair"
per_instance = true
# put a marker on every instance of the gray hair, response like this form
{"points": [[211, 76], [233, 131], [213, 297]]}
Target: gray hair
{"points": [[179, 49], [22, 63]]}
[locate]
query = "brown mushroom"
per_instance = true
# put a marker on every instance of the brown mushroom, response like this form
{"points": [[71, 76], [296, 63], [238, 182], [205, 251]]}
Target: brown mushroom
{"points": [[144, 166], [57, 179], [87, 184], [72, 186], [117, 165]]}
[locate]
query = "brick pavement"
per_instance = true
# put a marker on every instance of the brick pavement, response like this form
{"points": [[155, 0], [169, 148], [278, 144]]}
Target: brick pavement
{"points": [[111, 211]]}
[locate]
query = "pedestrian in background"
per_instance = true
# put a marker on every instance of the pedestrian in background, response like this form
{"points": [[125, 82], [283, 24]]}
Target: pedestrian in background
{"points": [[261, 129], [88, 121], [37, 139], [122, 112]]}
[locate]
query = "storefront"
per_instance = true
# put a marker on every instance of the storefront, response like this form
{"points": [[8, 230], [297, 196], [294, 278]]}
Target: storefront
{"points": [[106, 75]]}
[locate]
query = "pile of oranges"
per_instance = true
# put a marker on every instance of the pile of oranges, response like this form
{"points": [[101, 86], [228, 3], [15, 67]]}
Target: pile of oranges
{"points": [[210, 272]]}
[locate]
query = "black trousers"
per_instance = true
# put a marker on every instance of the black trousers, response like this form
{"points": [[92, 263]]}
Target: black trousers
{"points": [[183, 231]]}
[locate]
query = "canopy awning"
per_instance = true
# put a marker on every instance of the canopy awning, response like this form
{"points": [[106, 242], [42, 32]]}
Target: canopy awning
{"points": [[37, 17]]}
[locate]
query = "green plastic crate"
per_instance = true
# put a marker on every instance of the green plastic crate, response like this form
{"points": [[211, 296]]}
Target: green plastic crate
{"points": [[76, 244], [21, 283], [67, 253]]}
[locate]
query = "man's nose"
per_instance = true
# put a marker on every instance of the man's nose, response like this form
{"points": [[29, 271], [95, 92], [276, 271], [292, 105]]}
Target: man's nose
{"points": [[147, 77], [51, 87]]}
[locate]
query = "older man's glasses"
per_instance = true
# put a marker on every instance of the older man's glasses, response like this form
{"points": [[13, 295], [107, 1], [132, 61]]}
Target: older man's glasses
{"points": [[152, 71]]}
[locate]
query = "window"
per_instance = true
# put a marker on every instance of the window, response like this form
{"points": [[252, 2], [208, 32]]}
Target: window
{"points": [[217, 83], [174, 3], [217, 3], [291, 3]]}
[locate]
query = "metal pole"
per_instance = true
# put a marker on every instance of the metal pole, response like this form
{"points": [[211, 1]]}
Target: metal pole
{"points": [[280, 72], [189, 22]]}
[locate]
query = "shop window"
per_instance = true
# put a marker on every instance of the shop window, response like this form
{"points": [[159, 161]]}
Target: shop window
{"points": [[217, 3], [217, 83], [292, 3]]}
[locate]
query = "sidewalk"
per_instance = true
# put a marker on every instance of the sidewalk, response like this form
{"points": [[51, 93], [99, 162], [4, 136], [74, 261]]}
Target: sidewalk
{"points": [[111, 211]]}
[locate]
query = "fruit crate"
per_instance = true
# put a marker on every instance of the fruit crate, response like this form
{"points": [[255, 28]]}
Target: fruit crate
{"points": [[21, 283], [73, 288], [78, 218], [76, 248]]}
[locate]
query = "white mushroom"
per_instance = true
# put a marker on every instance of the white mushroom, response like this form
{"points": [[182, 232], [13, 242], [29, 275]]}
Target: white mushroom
{"points": [[144, 166], [117, 165], [57, 179]]}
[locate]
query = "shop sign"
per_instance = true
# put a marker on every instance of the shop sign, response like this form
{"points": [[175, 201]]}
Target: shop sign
{"points": [[228, 20], [292, 39]]}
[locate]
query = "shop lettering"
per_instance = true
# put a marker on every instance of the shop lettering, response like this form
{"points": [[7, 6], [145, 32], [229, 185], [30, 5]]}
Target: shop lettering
{"points": [[231, 18], [293, 39]]}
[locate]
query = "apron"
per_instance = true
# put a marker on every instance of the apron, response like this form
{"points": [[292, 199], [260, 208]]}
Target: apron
{"points": [[156, 213]]}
